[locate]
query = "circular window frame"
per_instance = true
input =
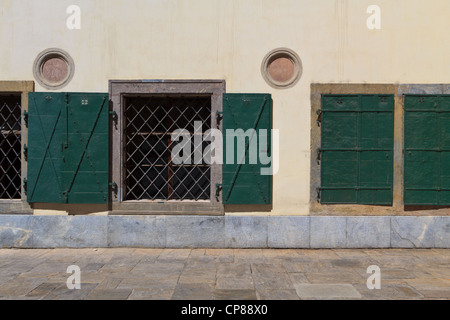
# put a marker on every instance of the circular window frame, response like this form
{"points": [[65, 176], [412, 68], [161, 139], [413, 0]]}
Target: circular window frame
{"points": [[46, 55], [282, 53]]}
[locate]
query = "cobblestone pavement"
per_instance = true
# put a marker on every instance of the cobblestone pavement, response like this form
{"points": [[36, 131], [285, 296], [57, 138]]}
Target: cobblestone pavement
{"points": [[223, 274]]}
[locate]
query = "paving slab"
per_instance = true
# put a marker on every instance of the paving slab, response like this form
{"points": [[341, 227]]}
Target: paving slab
{"points": [[108, 294], [327, 291], [159, 267], [166, 281], [246, 255], [193, 291], [311, 266], [429, 284], [18, 287], [272, 281], [151, 294], [63, 293], [197, 277], [388, 292], [174, 255], [348, 276], [436, 293], [267, 268], [409, 291], [234, 269], [244, 282], [235, 294], [109, 283], [279, 294], [297, 278]]}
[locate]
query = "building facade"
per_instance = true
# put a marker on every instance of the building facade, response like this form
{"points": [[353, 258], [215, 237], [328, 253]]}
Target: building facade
{"points": [[225, 123]]}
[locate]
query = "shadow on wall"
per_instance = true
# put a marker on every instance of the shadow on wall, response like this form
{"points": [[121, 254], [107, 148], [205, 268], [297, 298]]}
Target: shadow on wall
{"points": [[424, 207], [248, 208]]}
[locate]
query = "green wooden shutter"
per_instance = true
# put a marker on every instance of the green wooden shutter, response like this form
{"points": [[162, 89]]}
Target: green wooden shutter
{"points": [[242, 180], [45, 127], [427, 150], [68, 148], [357, 149]]}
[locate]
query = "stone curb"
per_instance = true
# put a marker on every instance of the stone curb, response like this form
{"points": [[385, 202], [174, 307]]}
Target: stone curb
{"points": [[27, 231]]}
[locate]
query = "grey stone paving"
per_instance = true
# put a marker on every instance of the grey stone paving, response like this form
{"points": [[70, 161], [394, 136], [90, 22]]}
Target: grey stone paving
{"points": [[224, 274]]}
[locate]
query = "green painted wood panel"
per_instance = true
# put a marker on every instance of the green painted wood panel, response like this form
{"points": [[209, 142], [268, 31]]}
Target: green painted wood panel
{"points": [[74, 168], [242, 181], [427, 150], [356, 152], [45, 128]]}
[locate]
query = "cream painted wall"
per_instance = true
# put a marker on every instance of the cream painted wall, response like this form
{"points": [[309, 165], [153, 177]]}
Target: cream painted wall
{"points": [[227, 39]]}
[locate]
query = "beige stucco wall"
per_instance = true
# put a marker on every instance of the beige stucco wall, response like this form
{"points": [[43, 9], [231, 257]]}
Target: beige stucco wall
{"points": [[228, 39]]}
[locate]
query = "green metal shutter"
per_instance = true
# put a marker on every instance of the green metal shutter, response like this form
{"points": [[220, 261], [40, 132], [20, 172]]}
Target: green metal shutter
{"points": [[68, 153], [242, 181], [356, 151], [427, 150]]}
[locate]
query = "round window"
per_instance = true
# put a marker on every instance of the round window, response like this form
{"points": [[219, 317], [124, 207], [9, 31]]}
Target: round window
{"points": [[281, 68], [53, 68]]}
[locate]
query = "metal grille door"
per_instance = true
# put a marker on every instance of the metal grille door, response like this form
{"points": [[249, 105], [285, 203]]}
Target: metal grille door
{"points": [[150, 172], [10, 146]]}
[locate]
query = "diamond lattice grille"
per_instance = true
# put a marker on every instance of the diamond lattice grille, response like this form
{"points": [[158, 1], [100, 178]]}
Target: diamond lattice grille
{"points": [[10, 147], [150, 172]]}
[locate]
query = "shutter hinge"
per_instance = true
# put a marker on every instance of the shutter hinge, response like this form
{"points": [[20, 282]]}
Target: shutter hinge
{"points": [[64, 196], [319, 193], [25, 118], [25, 152], [319, 117], [115, 117], [114, 188], [219, 117], [25, 185], [319, 155], [219, 188]]}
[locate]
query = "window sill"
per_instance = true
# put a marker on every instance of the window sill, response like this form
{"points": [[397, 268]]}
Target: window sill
{"points": [[145, 207]]}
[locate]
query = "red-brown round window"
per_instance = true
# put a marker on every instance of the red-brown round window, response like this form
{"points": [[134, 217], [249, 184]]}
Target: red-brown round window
{"points": [[53, 68], [281, 68]]}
